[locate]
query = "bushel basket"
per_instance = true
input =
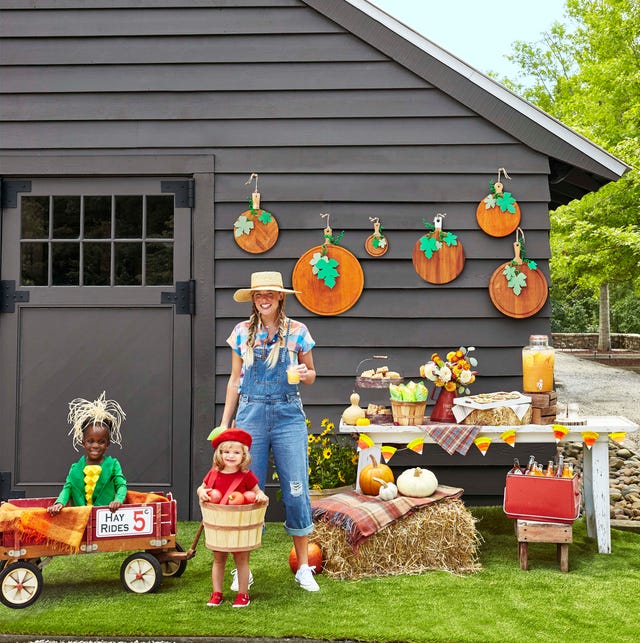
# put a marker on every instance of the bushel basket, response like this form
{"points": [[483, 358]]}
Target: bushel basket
{"points": [[233, 527], [408, 413]]}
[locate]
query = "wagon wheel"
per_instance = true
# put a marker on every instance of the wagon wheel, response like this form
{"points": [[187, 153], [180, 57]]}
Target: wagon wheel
{"points": [[140, 573], [20, 584], [173, 567]]}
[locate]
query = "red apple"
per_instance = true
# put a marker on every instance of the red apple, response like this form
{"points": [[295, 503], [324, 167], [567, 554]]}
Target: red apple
{"points": [[215, 495], [249, 497], [236, 498], [315, 558]]}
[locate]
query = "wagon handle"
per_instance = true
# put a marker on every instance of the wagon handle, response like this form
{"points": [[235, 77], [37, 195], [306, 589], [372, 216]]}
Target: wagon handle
{"points": [[191, 552]]}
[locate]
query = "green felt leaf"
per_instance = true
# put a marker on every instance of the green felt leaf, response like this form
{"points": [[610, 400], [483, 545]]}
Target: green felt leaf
{"points": [[265, 217], [327, 271], [242, 226], [450, 239], [489, 202], [429, 245], [516, 280], [428, 225], [379, 242], [506, 203], [532, 264]]}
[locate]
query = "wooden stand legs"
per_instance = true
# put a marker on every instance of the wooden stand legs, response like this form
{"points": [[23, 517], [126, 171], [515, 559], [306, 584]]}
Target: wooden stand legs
{"points": [[528, 531]]}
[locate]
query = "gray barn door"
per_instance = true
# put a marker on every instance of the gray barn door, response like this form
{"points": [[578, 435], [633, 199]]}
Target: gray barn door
{"points": [[94, 265]]}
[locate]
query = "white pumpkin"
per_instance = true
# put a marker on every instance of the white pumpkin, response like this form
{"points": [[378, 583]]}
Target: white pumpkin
{"points": [[388, 491], [417, 483]]}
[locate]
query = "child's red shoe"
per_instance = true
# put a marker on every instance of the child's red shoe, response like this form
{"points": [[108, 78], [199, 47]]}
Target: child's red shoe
{"points": [[215, 600], [242, 600]]}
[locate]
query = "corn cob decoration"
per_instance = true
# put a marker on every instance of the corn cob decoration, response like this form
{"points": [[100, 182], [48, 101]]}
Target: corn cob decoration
{"points": [[100, 411], [91, 475]]}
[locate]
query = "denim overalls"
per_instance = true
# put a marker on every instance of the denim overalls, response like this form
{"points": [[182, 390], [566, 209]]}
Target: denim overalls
{"points": [[270, 409]]}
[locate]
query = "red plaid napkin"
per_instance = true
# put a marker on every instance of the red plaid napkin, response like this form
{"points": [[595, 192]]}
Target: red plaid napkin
{"points": [[453, 437]]}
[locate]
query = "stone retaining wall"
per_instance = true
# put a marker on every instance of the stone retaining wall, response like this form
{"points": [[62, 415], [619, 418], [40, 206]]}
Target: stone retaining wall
{"points": [[589, 341]]}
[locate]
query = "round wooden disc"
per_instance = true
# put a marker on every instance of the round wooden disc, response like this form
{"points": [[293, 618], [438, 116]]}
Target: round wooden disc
{"points": [[261, 237], [444, 266], [372, 250], [531, 298], [495, 222], [315, 295]]}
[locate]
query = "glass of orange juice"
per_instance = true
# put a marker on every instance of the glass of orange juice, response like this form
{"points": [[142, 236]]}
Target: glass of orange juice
{"points": [[537, 365]]}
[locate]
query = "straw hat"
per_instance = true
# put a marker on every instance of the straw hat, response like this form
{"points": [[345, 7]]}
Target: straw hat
{"points": [[262, 281]]}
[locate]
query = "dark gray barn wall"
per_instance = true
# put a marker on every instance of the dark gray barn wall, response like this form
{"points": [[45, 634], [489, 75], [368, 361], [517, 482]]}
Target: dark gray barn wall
{"points": [[328, 122]]}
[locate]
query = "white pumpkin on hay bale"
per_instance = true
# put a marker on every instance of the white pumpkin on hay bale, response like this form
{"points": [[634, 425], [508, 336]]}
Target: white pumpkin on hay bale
{"points": [[440, 535]]}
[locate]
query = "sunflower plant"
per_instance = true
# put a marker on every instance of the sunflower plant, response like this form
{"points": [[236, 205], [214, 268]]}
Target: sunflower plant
{"points": [[333, 458]]}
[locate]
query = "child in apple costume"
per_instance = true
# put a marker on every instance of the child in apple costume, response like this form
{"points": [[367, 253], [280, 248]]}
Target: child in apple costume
{"points": [[229, 481]]}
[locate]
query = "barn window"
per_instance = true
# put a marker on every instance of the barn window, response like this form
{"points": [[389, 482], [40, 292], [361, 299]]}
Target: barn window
{"points": [[106, 240]]}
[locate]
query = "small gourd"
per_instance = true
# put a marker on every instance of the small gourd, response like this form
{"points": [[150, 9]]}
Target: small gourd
{"points": [[417, 483], [388, 491], [351, 414], [368, 484]]}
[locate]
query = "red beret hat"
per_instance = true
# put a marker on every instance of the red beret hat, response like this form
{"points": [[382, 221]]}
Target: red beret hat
{"points": [[231, 435]]}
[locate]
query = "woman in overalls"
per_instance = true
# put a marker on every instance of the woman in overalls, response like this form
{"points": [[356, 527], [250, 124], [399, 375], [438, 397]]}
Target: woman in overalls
{"points": [[271, 353]]}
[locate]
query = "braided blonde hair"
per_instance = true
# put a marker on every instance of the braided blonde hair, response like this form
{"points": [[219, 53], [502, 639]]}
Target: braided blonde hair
{"points": [[254, 323], [83, 413]]}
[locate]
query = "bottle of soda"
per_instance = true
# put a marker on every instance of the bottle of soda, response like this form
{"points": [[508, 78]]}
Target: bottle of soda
{"points": [[568, 470], [549, 470], [537, 470], [560, 467], [515, 470], [530, 465]]}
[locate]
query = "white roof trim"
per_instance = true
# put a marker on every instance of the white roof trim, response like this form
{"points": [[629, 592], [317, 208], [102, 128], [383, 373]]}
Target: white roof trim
{"points": [[491, 86]]}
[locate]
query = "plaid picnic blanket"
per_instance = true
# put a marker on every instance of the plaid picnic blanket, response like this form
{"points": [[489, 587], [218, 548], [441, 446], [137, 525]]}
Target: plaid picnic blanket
{"points": [[452, 437], [362, 516]]}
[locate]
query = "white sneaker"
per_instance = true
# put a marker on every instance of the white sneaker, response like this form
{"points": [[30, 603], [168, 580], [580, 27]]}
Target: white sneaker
{"points": [[234, 582], [304, 577]]}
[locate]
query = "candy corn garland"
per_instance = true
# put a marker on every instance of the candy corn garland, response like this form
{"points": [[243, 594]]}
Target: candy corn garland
{"points": [[589, 438], [483, 443], [509, 436], [559, 431], [618, 436], [387, 452]]}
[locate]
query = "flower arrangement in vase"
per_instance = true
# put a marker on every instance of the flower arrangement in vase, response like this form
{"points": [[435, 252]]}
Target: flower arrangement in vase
{"points": [[453, 376]]}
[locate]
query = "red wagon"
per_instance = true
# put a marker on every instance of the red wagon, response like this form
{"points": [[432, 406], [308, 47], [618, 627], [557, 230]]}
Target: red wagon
{"points": [[149, 527]]}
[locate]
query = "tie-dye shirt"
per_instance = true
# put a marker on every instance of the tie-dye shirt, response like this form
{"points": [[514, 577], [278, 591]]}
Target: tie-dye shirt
{"points": [[299, 339]]}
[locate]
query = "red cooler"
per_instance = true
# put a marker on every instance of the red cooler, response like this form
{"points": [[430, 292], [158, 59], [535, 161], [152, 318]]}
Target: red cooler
{"points": [[542, 498]]}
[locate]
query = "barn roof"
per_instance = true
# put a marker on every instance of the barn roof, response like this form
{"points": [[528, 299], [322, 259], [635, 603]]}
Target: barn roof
{"points": [[578, 165]]}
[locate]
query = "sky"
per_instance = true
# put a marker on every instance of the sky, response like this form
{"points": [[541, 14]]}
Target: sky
{"points": [[479, 32]]}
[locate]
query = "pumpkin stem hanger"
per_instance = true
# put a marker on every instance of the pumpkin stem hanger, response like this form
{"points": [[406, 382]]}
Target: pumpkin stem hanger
{"points": [[436, 238], [376, 244], [516, 279], [325, 268], [255, 230], [498, 214]]}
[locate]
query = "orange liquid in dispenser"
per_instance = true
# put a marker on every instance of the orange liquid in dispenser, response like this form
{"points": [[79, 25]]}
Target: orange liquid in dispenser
{"points": [[537, 366]]}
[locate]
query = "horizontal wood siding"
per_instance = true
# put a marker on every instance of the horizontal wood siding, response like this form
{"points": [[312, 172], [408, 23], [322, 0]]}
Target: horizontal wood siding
{"points": [[330, 124]]}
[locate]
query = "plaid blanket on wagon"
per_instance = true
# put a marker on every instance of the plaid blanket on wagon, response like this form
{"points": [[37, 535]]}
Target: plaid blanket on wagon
{"points": [[362, 516]]}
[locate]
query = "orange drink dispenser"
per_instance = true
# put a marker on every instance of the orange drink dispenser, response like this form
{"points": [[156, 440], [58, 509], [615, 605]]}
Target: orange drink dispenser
{"points": [[537, 365]]}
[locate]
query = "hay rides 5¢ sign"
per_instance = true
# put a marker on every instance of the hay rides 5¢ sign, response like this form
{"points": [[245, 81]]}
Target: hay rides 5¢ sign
{"points": [[126, 521]]}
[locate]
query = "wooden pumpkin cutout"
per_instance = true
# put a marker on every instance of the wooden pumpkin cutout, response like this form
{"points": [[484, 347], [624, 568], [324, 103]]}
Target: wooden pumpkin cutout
{"points": [[498, 214], [517, 288], [329, 278], [376, 244], [438, 257], [255, 230]]}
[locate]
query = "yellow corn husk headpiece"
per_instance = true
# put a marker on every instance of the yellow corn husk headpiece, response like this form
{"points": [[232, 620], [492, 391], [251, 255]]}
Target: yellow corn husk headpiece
{"points": [[83, 412]]}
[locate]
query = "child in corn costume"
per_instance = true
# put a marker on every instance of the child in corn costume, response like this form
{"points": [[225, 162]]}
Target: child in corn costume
{"points": [[96, 478]]}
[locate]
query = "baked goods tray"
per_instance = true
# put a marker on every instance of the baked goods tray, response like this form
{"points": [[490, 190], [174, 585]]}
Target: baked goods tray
{"points": [[378, 367]]}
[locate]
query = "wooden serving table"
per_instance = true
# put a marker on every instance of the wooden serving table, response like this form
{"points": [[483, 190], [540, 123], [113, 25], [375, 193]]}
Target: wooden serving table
{"points": [[595, 461]]}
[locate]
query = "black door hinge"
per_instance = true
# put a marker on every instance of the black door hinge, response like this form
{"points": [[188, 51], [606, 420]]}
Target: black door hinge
{"points": [[184, 297], [9, 296]]}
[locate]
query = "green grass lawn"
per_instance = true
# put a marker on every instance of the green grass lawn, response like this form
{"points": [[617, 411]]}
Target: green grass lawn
{"points": [[596, 601]]}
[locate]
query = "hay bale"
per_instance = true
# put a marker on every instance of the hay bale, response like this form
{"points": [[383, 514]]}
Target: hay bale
{"points": [[440, 536]]}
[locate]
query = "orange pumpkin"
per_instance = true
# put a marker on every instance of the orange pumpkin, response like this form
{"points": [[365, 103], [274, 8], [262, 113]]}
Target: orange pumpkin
{"points": [[368, 485], [315, 558]]}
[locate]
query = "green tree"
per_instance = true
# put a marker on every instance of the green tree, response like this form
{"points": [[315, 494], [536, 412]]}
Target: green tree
{"points": [[587, 74]]}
